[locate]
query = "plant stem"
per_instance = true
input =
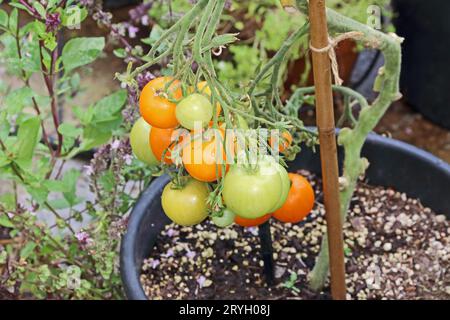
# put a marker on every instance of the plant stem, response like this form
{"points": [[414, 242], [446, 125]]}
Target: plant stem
{"points": [[33, 99], [49, 79]]}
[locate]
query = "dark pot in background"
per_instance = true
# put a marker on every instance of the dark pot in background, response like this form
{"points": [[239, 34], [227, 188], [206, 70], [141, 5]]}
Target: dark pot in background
{"points": [[426, 69], [393, 164]]}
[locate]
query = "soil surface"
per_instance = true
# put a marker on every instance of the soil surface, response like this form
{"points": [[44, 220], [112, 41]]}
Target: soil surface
{"points": [[395, 249]]}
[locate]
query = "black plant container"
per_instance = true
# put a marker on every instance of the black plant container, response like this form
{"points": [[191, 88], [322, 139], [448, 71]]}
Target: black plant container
{"points": [[393, 164], [426, 69]]}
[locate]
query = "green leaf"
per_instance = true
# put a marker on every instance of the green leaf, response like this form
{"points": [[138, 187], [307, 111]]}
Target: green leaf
{"points": [[4, 160], [81, 51], [73, 16], [107, 181], [27, 250], [13, 18], [120, 53], [93, 137], [50, 41], [5, 222], [38, 192], [85, 116], [60, 203], [51, 3], [154, 36], [40, 9], [8, 200], [20, 6], [3, 18], [110, 105], [69, 130], [18, 99], [5, 126], [54, 185], [70, 185], [27, 139]]}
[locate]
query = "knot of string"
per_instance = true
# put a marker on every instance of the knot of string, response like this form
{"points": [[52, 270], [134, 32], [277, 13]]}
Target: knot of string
{"points": [[330, 48]]}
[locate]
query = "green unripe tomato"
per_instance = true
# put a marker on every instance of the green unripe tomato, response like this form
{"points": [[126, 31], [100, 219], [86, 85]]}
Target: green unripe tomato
{"points": [[226, 220], [194, 108], [285, 186], [186, 206], [139, 140], [253, 193]]}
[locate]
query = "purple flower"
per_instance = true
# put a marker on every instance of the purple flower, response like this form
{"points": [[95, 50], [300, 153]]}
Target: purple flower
{"points": [[132, 30], [102, 18], [88, 169], [145, 21], [115, 145], [82, 236], [128, 159], [144, 78], [140, 11], [87, 3], [52, 21]]}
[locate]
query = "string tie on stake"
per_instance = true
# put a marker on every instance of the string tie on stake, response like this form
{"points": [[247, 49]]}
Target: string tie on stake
{"points": [[330, 48]]}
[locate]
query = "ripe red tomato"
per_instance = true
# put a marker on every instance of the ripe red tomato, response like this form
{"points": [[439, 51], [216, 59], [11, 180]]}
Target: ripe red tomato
{"points": [[243, 222], [299, 203], [154, 103]]}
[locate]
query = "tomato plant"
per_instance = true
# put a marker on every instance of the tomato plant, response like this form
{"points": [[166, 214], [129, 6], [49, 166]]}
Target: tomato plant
{"points": [[155, 102], [139, 140], [256, 186], [186, 205], [300, 200]]}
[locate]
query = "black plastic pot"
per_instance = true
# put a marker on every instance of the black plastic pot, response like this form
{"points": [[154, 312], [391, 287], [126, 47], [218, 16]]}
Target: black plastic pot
{"points": [[426, 71], [393, 164]]}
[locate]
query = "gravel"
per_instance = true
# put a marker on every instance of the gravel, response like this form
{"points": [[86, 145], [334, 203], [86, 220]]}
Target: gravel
{"points": [[395, 249]]}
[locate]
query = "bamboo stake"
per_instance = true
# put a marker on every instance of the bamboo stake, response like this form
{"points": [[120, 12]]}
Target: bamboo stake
{"points": [[328, 149]]}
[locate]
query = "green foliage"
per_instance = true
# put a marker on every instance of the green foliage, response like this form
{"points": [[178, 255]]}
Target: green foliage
{"points": [[51, 259], [81, 51]]}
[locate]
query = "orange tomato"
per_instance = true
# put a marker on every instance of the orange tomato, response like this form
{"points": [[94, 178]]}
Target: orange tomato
{"points": [[203, 160], [299, 203], [243, 222], [154, 103], [160, 140], [284, 141]]}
